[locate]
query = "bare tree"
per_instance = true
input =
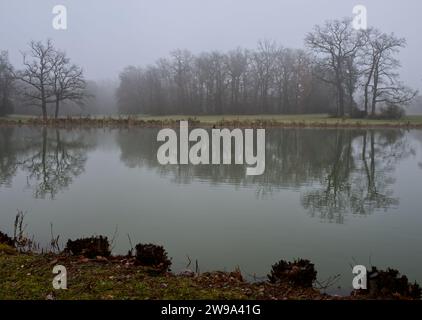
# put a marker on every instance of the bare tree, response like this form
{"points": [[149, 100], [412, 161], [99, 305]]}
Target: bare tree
{"points": [[264, 63], [352, 75], [302, 80], [381, 77], [338, 43], [67, 81], [49, 77], [181, 66], [39, 64], [283, 77], [237, 66]]}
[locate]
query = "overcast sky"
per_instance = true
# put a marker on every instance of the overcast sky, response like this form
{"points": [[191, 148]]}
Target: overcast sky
{"points": [[104, 36]]}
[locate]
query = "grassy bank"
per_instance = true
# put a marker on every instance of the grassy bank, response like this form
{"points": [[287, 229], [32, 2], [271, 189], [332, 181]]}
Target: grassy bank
{"points": [[29, 276], [308, 120], [93, 273], [220, 121]]}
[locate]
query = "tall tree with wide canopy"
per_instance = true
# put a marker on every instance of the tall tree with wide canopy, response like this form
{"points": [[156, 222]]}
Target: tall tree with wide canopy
{"points": [[337, 43]]}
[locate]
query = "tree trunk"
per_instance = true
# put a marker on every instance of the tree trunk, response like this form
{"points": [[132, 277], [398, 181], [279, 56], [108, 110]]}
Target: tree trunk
{"points": [[340, 89], [3, 106], [366, 98], [375, 92], [340, 99], [374, 102], [286, 102], [366, 94], [43, 103], [44, 110], [56, 114]]}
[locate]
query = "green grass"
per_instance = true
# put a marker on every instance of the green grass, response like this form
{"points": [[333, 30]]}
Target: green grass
{"points": [[29, 276], [286, 119]]}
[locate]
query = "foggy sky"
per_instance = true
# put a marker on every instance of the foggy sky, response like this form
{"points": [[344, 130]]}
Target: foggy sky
{"points": [[104, 36]]}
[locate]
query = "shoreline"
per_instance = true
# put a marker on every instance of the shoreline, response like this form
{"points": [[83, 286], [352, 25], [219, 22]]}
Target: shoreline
{"points": [[29, 276], [267, 121]]}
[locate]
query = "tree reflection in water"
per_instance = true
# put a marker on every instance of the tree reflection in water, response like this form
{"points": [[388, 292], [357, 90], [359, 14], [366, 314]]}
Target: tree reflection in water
{"points": [[337, 171], [50, 160], [8, 156], [360, 178]]}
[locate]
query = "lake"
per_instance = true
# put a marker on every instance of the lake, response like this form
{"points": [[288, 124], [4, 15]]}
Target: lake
{"points": [[338, 197]]}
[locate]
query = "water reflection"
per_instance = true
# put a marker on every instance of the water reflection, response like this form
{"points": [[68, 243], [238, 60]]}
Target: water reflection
{"points": [[337, 171], [8, 156], [360, 177], [50, 158], [418, 136]]}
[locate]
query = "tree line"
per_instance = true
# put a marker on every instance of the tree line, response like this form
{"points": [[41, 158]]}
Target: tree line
{"points": [[342, 71], [268, 80]]}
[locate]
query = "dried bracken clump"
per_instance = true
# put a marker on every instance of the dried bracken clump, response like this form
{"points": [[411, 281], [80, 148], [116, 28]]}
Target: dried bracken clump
{"points": [[89, 247], [298, 273], [5, 239], [389, 285], [154, 256]]}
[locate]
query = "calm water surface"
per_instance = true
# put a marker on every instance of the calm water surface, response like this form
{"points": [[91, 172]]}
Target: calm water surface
{"points": [[336, 197]]}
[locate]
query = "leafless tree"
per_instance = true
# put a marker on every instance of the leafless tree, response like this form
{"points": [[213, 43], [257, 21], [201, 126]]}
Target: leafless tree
{"points": [[237, 67], [67, 81], [39, 64], [264, 60], [337, 43], [283, 77], [381, 83], [49, 77]]}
